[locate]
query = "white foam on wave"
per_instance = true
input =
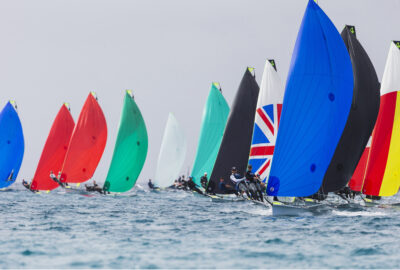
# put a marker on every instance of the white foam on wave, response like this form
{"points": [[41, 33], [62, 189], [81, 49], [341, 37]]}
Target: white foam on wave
{"points": [[358, 214]]}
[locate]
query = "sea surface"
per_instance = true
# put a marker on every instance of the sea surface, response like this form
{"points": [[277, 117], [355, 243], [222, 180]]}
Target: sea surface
{"points": [[177, 229]]}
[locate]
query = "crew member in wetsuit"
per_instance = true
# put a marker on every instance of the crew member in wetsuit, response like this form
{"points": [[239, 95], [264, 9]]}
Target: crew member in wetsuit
{"points": [[10, 177], [226, 189], [150, 184], [204, 181], [238, 180], [55, 179], [95, 187], [192, 185], [344, 193], [255, 190]]}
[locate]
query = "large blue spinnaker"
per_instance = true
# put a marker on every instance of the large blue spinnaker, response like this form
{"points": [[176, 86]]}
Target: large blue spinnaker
{"points": [[316, 105], [11, 145]]}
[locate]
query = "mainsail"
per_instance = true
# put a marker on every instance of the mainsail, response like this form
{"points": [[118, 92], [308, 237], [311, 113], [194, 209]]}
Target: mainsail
{"points": [[236, 142], [54, 150], [87, 143], [269, 108], [383, 168], [11, 144], [172, 153], [362, 116], [130, 149], [215, 114], [316, 105]]}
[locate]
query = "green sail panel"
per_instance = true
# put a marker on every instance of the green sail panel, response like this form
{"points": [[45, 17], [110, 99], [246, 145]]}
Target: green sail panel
{"points": [[130, 149], [215, 114]]}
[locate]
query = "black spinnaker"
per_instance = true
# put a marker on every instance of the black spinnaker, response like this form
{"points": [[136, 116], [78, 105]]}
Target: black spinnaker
{"points": [[235, 146], [362, 116]]}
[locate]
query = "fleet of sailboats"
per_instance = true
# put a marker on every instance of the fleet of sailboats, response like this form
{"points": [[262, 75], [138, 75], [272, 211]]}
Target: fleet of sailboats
{"points": [[333, 126]]}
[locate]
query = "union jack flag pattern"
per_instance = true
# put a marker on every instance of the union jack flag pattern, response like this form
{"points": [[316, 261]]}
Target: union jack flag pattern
{"points": [[264, 137]]}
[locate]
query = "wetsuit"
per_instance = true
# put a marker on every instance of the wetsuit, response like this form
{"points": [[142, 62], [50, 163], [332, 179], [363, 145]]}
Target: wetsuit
{"points": [[204, 181], [55, 179], [255, 191], [151, 185], [192, 186], [238, 180]]}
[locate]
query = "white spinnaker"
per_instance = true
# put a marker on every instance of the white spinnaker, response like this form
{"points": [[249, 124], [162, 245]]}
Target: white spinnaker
{"points": [[391, 75], [172, 153]]}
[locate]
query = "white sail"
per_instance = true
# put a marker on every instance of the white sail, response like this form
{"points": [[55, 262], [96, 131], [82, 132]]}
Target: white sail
{"points": [[172, 153], [269, 106]]}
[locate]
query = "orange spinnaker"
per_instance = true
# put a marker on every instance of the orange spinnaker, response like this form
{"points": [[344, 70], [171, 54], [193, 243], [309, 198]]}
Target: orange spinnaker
{"points": [[54, 150], [87, 143]]}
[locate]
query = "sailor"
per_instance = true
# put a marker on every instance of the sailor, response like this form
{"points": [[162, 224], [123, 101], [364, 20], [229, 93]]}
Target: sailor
{"points": [[226, 189], [192, 185], [239, 182], [10, 177], [26, 184], [204, 181], [95, 187], [250, 177], [55, 179], [150, 184]]}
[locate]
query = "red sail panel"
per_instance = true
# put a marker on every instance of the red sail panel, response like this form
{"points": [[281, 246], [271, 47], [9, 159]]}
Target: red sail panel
{"points": [[54, 150], [357, 180], [380, 145], [87, 143]]}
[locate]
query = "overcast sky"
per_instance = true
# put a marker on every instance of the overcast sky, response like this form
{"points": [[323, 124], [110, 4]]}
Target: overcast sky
{"points": [[167, 52]]}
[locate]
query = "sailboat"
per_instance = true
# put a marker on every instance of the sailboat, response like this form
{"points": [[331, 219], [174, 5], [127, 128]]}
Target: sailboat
{"points": [[383, 165], [86, 145], [316, 105], [54, 150], [235, 146], [215, 114], [172, 154], [269, 108], [130, 149], [361, 119], [11, 144]]}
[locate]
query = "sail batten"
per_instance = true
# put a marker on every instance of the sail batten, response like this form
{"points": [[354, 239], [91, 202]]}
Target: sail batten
{"points": [[316, 105]]}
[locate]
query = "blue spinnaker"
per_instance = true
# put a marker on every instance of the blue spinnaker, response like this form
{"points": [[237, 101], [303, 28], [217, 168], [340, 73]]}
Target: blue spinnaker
{"points": [[11, 145], [316, 105]]}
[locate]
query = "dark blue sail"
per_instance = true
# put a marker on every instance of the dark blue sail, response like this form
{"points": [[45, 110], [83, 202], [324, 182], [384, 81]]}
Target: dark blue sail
{"points": [[316, 105], [11, 145]]}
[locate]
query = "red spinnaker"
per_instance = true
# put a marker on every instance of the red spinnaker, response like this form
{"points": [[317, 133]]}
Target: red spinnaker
{"points": [[357, 180], [87, 143], [54, 150]]}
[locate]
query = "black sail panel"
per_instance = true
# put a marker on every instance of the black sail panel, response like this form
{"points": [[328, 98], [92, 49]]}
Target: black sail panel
{"points": [[236, 141], [362, 116]]}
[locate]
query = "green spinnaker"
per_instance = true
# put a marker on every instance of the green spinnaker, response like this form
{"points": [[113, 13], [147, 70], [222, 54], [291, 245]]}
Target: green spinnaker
{"points": [[215, 115], [130, 149]]}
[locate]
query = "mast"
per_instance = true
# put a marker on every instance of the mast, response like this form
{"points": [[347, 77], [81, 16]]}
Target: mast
{"points": [[315, 109]]}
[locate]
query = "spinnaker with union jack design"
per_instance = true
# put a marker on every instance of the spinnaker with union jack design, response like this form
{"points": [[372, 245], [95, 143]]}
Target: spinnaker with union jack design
{"points": [[269, 107]]}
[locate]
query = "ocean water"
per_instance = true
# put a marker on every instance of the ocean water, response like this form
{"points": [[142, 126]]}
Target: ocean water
{"points": [[172, 229]]}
